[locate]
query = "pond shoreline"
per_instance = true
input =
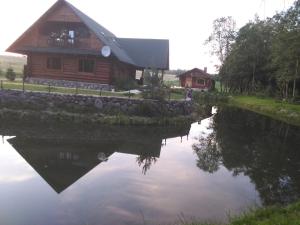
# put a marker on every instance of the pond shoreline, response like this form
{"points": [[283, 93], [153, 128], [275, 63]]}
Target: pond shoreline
{"points": [[95, 119], [266, 215], [279, 110], [91, 109]]}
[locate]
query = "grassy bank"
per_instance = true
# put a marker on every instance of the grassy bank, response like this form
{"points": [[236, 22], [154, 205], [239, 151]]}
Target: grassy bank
{"points": [[275, 215], [287, 112], [18, 85], [92, 118]]}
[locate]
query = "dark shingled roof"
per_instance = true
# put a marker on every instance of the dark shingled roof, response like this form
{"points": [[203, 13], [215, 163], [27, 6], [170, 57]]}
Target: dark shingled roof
{"points": [[103, 34], [144, 53], [147, 53]]}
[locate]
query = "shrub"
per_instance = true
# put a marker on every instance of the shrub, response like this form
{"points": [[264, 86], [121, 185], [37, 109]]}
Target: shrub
{"points": [[154, 88], [125, 83], [10, 74], [156, 93]]}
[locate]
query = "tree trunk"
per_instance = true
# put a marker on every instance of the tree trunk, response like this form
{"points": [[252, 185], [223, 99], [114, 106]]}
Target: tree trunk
{"points": [[162, 76], [221, 86], [286, 89], [295, 78], [253, 77]]}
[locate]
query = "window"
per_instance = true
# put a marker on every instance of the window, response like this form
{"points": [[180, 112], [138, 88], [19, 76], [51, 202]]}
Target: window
{"points": [[54, 63], [86, 65], [201, 81]]}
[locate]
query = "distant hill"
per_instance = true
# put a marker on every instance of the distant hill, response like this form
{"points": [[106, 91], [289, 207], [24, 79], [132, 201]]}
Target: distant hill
{"points": [[16, 62]]}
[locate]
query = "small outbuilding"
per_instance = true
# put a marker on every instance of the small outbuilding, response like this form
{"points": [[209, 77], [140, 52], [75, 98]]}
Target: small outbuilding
{"points": [[198, 79]]}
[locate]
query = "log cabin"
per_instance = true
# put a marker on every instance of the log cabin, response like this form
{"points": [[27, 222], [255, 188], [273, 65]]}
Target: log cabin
{"points": [[65, 44], [197, 79]]}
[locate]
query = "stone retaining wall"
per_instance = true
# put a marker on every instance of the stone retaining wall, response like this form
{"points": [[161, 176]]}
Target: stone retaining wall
{"points": [[69, 84], [36, 101]]}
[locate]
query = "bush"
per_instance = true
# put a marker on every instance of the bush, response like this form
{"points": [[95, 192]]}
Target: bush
{"points": [[156, 93], [126, 84], [10, 74]]}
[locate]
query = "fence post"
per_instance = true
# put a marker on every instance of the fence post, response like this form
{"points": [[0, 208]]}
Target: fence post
{"points": [[49, 88], [76, 90], [23, 86], [1, 85], [100, 92], [129, 95]]}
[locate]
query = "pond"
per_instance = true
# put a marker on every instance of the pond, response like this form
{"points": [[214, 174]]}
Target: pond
{"points": [[68, 174]]}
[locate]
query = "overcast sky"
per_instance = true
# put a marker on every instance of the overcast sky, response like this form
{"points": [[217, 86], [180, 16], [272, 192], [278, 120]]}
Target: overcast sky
{"points": [[186, 23]]}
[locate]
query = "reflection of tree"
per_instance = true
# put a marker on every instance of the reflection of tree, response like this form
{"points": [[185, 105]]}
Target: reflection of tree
{"points": [[209, 156], [261, 148], [145, 161]]}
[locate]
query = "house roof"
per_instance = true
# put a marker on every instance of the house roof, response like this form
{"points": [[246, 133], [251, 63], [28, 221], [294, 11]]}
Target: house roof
{"points": [[200, 72], [144, 53], [151, 53]]}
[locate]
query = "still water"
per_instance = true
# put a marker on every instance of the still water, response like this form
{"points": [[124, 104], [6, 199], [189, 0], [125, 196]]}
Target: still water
{"points": [[67, 174]]}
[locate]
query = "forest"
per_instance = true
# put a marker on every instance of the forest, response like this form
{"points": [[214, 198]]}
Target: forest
{"points": [[262, 56]]}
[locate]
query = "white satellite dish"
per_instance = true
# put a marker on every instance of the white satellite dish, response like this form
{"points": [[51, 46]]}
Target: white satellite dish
{"points": [[105, 51]]}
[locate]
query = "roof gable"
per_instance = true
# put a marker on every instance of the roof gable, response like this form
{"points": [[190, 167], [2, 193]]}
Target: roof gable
{"points": [[196, 70], [144, 53]]}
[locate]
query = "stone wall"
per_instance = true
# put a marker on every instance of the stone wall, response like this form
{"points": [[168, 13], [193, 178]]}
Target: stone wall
{"points": [[69, 84], [34, 101]]}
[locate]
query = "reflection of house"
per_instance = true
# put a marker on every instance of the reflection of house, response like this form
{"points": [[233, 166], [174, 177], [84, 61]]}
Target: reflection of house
{"points": [[63, 155], [197, 78], [65, 44]]}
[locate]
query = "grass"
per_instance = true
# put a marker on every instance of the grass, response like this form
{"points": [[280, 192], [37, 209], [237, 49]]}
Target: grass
{"points": [[274, 215], [18, 85], [17, 63], [284, 111]]}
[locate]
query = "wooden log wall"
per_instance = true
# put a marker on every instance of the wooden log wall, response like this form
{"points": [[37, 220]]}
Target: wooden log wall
{"points": [[70, 69]]}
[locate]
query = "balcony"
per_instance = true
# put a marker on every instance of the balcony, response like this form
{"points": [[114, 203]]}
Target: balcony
{"points": [[64, 40], [65, 35]]}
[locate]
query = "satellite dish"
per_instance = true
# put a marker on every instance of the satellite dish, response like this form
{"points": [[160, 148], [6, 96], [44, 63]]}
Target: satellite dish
{"points": [[105, 51]]}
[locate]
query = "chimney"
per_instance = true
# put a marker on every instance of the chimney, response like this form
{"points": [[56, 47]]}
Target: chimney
{"points": [[205, 69]]}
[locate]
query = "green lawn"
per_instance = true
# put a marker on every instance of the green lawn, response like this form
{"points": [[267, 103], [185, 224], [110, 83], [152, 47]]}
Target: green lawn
{"points": [[276, 109], [275, 215], [17, 63], [18, 85]]}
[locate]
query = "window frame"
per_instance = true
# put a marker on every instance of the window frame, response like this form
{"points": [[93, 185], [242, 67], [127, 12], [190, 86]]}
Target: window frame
{"points": [[83, 71], [50, 63], [202, 84]]}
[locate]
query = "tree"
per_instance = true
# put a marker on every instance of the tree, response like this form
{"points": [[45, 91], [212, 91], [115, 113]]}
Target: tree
{"points": [[286, 48], [10, 74], [154, 81], [246, 68], [222, 37]]}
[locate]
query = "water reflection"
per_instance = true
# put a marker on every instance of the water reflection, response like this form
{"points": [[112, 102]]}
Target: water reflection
{"points": [[264, 149], [135, 175], [63, 155]]}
